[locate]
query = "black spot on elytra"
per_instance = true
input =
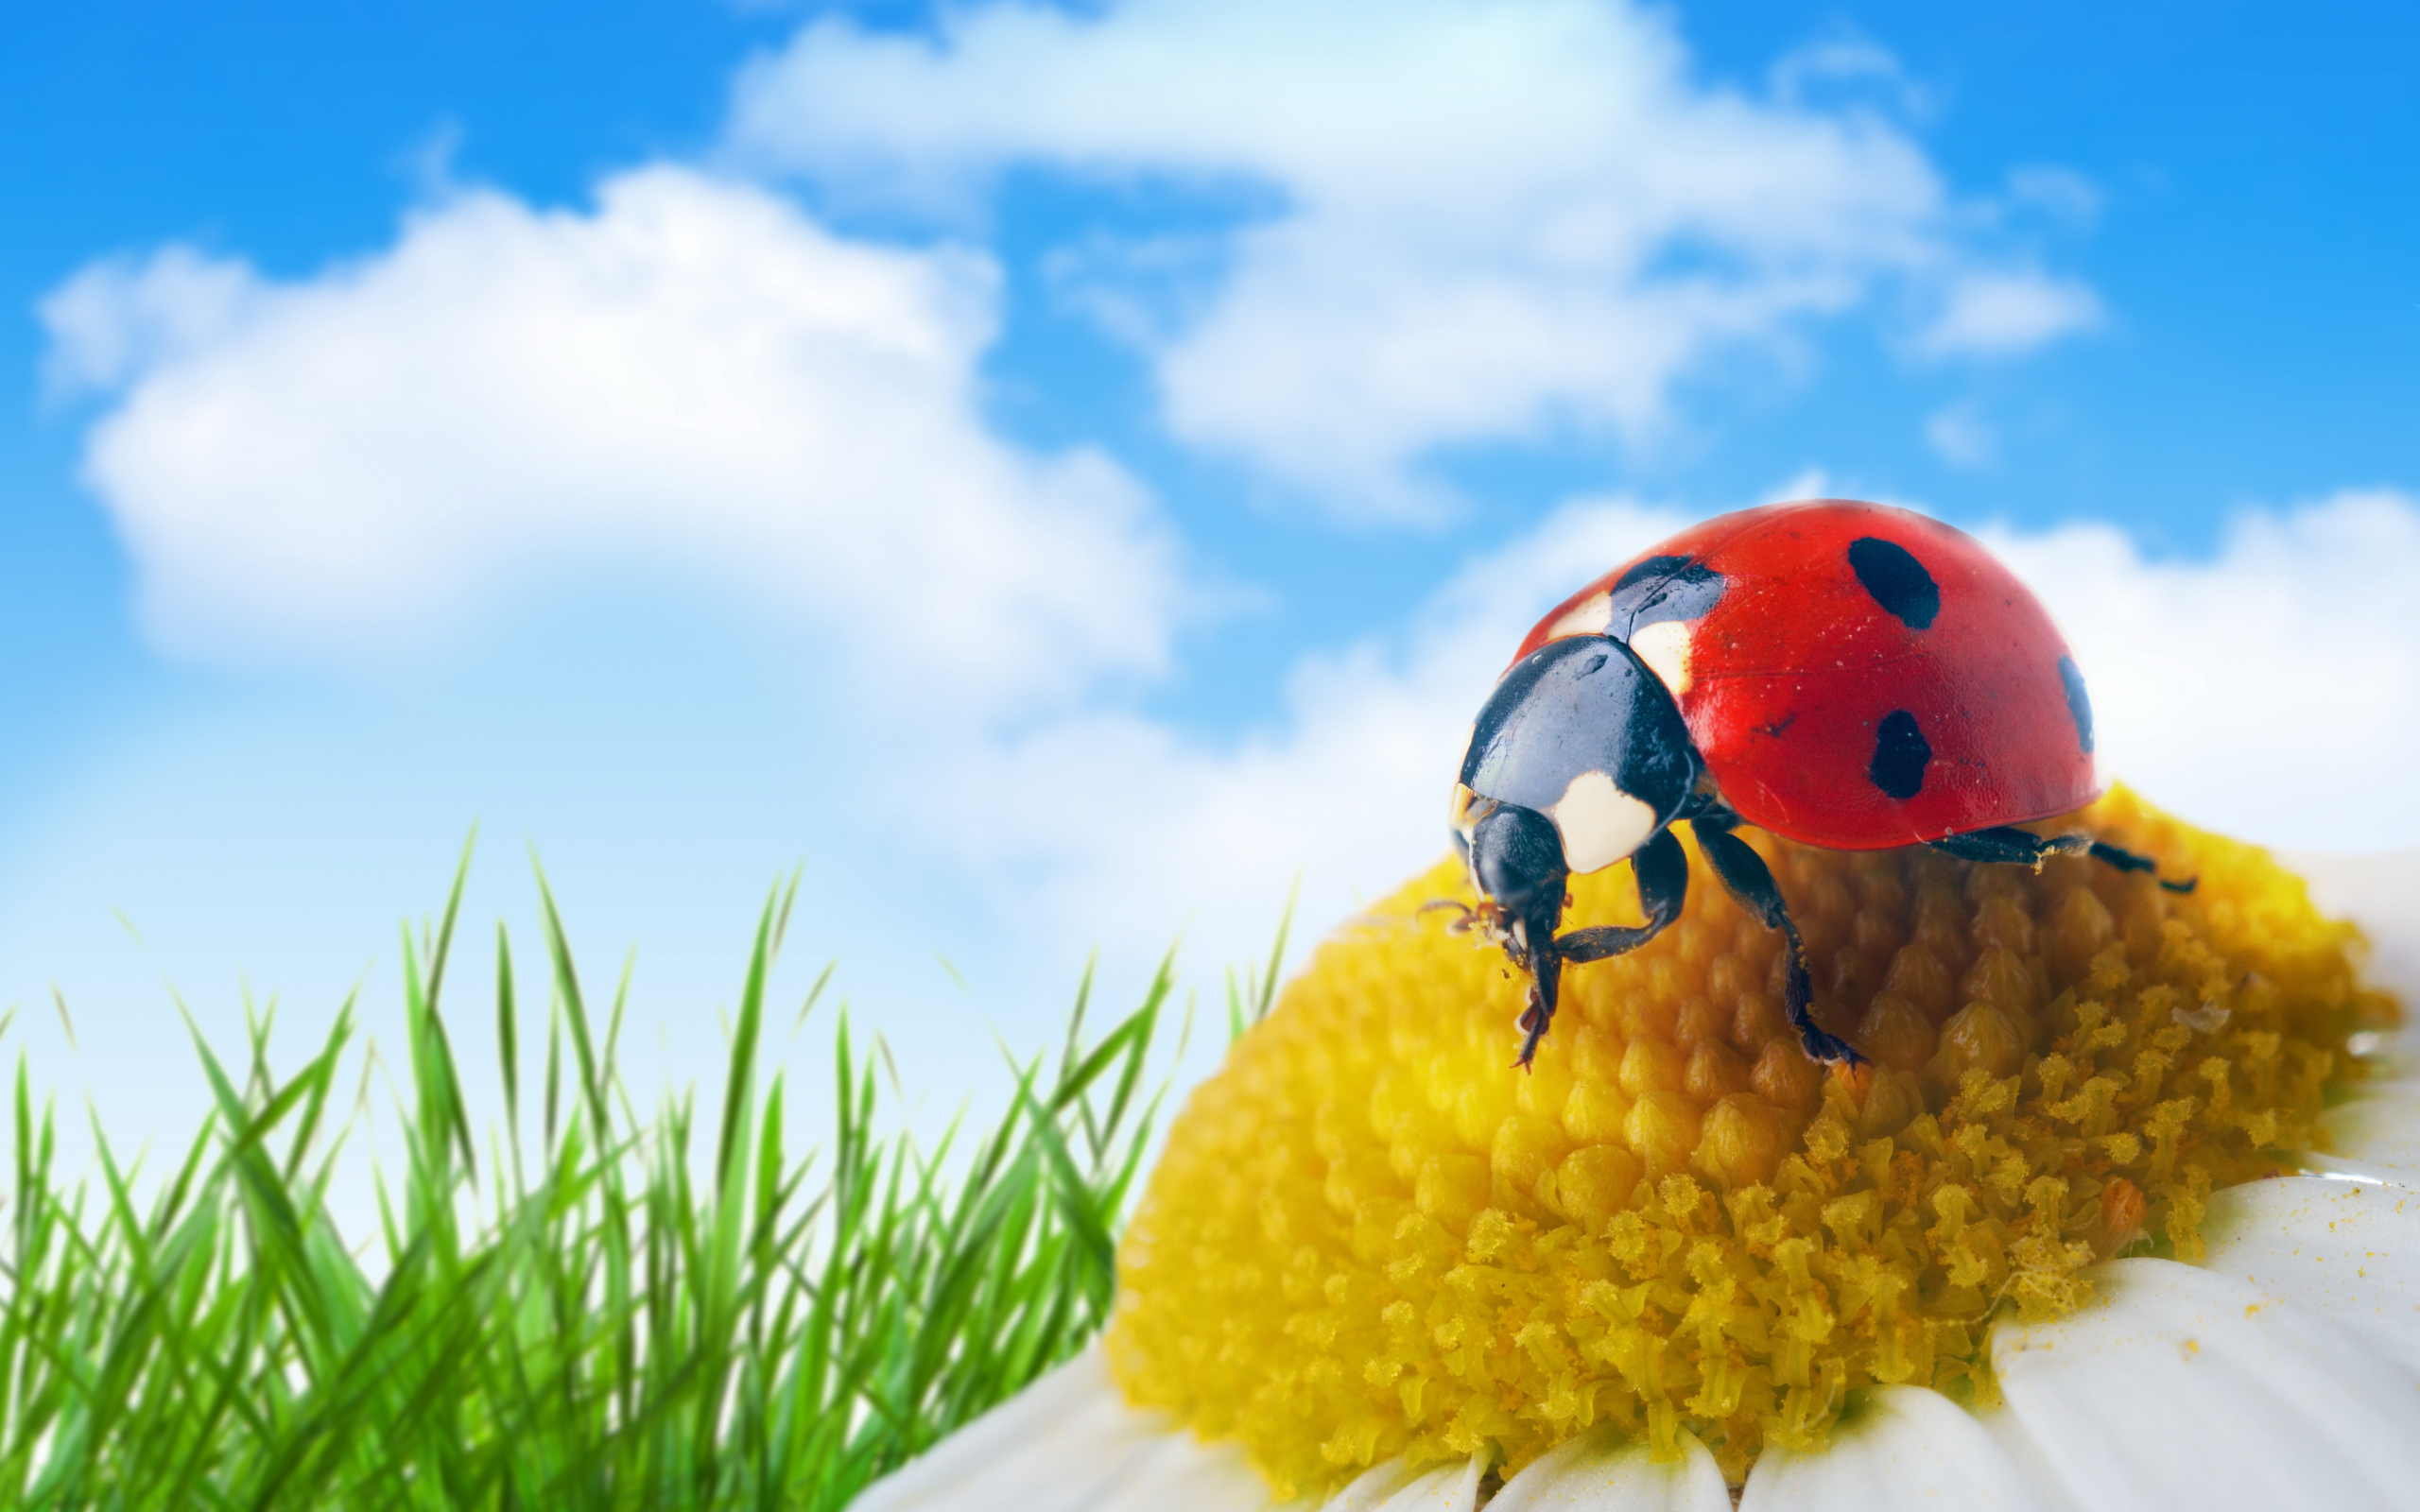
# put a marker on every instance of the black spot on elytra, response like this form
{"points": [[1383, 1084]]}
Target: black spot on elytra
{"points": [[1779, 727], [1897, 581], [1899, 756], [2078, 703]]}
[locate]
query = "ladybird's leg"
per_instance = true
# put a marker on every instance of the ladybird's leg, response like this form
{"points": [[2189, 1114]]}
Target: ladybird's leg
{"points": [[1545, 960], [1531, 942], [1663, 869], [2006, 843], [1539, 1013], [1747, 879], [2129, 860], [1546, 977]]}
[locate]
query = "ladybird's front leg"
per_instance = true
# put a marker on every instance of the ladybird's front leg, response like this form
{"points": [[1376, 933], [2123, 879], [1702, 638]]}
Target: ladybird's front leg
{"points": [[1536, 1014], [1749, 880], [1663, 870], [1536, 954], [1518, 869]]}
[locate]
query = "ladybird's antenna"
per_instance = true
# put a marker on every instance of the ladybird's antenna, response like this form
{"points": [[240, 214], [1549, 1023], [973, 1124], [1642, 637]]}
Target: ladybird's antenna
{"points": [[1461, 923]]}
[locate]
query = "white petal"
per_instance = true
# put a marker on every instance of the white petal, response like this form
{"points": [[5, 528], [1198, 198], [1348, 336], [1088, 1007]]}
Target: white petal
{"points": [[2343, 1249], [1907, 1449], [2377, 1129], [1038, 1409], [1396, 1486], [1069, 1443], [1370, 1488], [2179, 1387], [1184, 1474], [1446, 1488], [1601, 1471]]}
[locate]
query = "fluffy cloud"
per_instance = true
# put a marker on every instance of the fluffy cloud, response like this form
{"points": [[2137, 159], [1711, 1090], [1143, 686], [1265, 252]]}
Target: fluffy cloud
{"points": [[1480, 222], [1962, 435], [2272, 691], [693, 373], [2001, 313], [694, 377], [1348, 793], [120, 319]]}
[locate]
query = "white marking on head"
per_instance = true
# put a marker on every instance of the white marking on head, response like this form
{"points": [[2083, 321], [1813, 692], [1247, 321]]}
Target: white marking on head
{"points": [[1592, 615], [1600, 824], [1665, 647]]}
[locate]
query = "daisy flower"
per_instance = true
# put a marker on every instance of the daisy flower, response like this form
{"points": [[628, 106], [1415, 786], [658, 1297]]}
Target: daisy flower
{"points": [[2121, 1216]]}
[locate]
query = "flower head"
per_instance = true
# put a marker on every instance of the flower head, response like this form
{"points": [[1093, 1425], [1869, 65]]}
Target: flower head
{"points": [[1370, 1238], [2025, 1256]]}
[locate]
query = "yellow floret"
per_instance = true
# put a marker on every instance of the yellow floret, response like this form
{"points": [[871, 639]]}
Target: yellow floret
{"points": [[1369, 1235]]}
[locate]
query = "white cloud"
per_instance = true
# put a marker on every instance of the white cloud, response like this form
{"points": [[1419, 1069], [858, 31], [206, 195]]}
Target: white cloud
{"points": [[1844, 68], [1962, 435], [1146, 829], [2272, 691], [2058, 192], [693, 376], [347, 465], [2001, 313], [122, 317], [1485, 221]]}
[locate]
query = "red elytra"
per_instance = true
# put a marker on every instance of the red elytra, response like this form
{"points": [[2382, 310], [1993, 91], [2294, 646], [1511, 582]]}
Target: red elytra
{"points": [[1791, 673]]}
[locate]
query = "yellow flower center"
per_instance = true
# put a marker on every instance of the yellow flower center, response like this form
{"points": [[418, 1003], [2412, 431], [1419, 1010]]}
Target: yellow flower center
{"points": [[1370, 1236]]}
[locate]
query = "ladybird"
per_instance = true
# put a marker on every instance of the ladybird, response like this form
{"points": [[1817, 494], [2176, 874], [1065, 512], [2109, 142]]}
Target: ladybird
{"points": [[1846, 675]]}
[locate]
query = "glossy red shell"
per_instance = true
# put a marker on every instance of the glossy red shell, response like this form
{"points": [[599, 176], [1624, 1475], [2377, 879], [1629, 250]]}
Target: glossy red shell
{"points": [[1796, 666]]}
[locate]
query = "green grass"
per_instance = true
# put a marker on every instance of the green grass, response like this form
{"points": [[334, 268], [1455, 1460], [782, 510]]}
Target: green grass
{"points": [[582, 1324]]}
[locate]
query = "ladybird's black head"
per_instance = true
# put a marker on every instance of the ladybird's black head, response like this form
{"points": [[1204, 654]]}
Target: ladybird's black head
{"points": [[1516, 864]]}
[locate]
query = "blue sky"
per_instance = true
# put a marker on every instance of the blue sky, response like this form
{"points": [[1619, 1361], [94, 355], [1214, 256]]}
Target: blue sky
{"points": [[1055, 476]]}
